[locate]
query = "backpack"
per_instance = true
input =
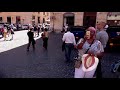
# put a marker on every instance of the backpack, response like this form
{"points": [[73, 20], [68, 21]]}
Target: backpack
{"points": [[115, 67]]}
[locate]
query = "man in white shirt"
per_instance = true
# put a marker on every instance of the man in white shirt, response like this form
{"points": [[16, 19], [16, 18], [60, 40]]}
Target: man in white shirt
{"points": [[70, 43]]}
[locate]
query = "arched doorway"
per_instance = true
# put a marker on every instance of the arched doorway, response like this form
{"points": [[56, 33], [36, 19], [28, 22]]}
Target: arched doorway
{"points": [[68, 18], [89, 19]]}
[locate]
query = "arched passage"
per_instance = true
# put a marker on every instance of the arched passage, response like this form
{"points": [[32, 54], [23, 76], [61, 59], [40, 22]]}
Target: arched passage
{"points": [[68, 18]]}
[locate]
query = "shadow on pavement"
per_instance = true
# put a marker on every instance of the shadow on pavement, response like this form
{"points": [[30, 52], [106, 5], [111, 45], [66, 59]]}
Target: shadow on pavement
{"points": [[18, 63]]}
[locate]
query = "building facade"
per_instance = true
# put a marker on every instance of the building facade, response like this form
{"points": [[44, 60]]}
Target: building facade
{"points": [[24, 17], [59, 19], [113, 19]]}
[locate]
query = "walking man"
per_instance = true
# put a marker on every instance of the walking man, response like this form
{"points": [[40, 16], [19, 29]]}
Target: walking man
{"points": [[70, 43], [31, 39]]}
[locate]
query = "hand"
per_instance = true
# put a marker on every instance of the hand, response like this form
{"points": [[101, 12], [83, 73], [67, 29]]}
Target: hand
{"points": [[91, 53], [75, 46]]}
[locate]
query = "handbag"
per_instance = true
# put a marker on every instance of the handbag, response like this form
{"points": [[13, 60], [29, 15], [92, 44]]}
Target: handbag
{"points": [[78, 62]]}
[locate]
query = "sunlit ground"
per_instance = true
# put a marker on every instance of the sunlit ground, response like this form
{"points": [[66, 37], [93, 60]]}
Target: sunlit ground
{"points": [[20, 38]]}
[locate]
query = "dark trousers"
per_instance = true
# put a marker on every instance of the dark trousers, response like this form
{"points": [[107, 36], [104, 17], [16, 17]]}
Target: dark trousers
{"points": [[45, 42], [98, 70], [68, 49], [38, 32], [33, 44]]}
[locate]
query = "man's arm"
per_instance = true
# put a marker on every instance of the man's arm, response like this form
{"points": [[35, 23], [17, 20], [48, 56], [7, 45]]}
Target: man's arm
{"points": [[63, 39], [98, 36]]}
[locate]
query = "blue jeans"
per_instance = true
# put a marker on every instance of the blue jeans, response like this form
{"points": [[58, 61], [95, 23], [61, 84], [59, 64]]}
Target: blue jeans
{"points": [[68, 49]]}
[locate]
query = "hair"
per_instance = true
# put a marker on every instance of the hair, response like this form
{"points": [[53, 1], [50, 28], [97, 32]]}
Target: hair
{"points": [[92, 29], [102, 23]]}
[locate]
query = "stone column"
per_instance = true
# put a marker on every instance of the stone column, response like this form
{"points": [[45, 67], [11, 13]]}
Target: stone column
{"points": [[101, 16], [79, 18]]}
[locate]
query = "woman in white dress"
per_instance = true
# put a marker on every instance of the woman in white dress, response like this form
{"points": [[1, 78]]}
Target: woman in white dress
{"points": [[95, 51]]}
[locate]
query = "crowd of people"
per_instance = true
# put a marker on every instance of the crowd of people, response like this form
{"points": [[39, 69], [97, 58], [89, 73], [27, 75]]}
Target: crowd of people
{"points": [[90, 49], [34, 32], [7, 32]]}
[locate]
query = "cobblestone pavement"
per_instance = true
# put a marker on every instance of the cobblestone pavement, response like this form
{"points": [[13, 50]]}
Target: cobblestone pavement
{"points": [[17, 63]]}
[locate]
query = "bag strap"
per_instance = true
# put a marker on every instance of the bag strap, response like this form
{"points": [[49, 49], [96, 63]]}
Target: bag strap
{"points": [[89, 47]]}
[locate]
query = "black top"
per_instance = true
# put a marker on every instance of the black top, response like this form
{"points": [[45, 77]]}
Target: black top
{"points": [[30, 35], [35, 28]]}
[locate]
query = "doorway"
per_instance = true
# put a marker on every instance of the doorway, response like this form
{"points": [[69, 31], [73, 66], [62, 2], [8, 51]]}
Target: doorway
{"points": [[68, 18], [9, 20]]}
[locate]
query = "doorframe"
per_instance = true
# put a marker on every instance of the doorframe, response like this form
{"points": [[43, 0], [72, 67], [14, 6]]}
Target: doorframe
{"points": [[68, 14], [95, 15]]}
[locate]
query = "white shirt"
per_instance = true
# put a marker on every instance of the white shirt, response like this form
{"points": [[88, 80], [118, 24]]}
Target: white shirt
{"points": [[106, 26], [69, 38]]}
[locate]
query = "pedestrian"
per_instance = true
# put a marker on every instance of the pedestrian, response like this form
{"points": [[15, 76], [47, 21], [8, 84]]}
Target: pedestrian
{"points": [[5, 33], [12, 32], [70, 43], [45, 36], [2, 32], [38, 30], [9, 31], [31, 39], [92, 47], [103, 37], [35, 30]]}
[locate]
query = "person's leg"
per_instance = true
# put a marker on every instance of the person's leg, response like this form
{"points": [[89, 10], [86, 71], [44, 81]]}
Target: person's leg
{"points": [[33, 44], [46, 43], [12, 37], [67, 52], [28, 45], [38, 32], [70, 49], [98, 70], [79, 73], [5, 36]]}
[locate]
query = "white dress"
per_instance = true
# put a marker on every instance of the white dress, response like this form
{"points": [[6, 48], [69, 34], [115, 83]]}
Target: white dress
{"points": [[96, 47]]}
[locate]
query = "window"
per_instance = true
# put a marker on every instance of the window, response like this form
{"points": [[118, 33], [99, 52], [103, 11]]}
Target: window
{"points": [[43, 13], [33, 17], [1, 19], [18, 19], [9, 20], [43, 20], [38, 19]]}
